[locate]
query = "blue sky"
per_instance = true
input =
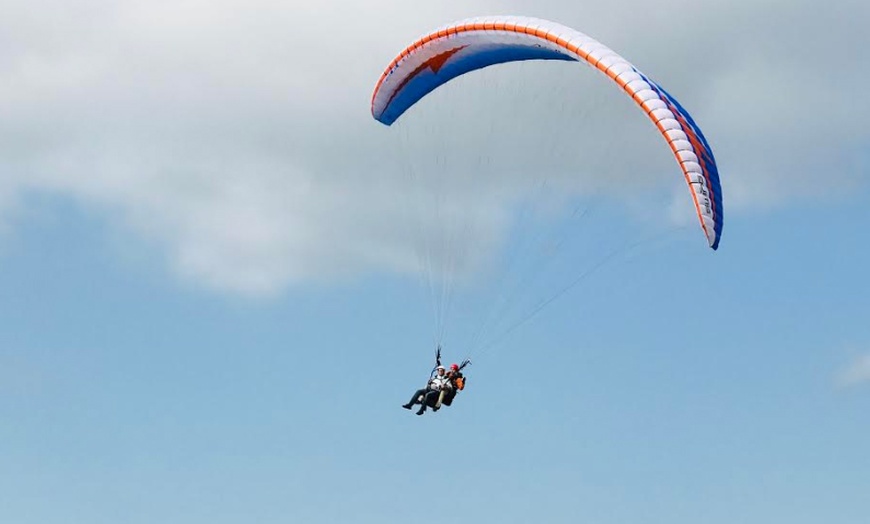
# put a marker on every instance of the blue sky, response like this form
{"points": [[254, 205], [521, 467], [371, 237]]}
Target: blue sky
{"points": [[129, 398], [187, 335]]}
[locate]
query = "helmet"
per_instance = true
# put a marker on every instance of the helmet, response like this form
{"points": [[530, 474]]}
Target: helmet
{"points": [[440, 367], [454, 367]]}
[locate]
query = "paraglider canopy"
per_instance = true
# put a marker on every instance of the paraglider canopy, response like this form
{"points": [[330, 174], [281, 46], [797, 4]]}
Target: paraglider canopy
{"points": [[467, 45]]}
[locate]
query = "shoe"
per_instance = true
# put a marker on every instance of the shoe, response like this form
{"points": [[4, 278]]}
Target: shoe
{"points": [[421, 411], [406, 406], [435, 409]]}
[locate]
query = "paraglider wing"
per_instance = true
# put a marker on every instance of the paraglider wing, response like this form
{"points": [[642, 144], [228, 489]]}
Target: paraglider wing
{"points": [[465, 46]]}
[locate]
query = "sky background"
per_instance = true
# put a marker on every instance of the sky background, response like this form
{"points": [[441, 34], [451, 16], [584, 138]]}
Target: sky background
{"points": [[215, 284]]}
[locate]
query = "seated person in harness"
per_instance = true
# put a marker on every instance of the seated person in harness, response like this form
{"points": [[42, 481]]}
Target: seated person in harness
{"points": [[457, 383], [441, 388], [429, 396]]}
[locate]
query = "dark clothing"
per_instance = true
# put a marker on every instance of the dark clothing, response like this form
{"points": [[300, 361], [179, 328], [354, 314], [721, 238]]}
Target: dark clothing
{"points": [[449, 395], [429, 398], [416, 398]]}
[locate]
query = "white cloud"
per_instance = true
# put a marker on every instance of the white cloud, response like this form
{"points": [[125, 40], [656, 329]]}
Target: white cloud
{"points": [[858, 372], [236, 134]]}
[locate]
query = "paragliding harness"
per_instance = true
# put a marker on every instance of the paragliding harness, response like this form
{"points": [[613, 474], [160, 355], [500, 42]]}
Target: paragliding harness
{"points": [[446, 397]]}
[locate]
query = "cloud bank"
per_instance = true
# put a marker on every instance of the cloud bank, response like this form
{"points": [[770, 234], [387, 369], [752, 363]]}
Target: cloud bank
{"points": [[235, 136], [857, 373]]}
